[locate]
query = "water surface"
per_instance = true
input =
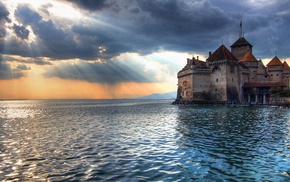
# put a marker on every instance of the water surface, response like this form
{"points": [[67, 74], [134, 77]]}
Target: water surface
{"points": [[141, 140]]}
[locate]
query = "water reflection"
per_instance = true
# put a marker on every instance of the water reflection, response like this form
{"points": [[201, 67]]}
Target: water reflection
{"points": [[141, 141], [230, 143]]}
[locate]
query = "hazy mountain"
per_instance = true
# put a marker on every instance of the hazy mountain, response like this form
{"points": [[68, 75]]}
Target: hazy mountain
{"points": [[168, 95]]}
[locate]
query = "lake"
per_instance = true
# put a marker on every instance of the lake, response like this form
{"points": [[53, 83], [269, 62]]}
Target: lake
{"points": [[141, 140]]}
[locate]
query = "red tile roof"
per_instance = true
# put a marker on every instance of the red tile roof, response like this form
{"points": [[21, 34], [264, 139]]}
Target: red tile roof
{"points": [[249, 57], [222, 53], [275, 62], [286, 66], [266, 84]]}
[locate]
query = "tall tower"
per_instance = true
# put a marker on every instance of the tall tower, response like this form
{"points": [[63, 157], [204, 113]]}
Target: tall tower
{"points": [[224, 82], [241, 47]]}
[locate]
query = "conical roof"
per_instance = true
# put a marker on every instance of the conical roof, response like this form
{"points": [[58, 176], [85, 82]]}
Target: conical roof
{"points": [[249, 57], [241, 42], [286, 66], [222, 53], [275, 62]]}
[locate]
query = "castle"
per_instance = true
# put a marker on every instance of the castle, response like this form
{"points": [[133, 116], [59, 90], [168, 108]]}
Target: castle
{"points": [[234, 76]]}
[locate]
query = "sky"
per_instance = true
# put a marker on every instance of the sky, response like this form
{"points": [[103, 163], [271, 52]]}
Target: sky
{"points": [[112, 49]]}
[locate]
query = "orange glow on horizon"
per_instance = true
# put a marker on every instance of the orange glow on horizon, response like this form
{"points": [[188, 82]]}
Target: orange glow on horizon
{"points": [[55, 88]]}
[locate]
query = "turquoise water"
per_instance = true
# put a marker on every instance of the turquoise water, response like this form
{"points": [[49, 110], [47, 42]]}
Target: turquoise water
{"points": [[141, 140]]}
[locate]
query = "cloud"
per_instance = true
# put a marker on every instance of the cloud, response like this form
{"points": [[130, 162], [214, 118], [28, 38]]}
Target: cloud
{"points": [[7, 73], [23, 67], [53, 41], [21, 31], [26, 60], [4, 13], [145, 27], [126, 68], [91, 5], [40, 62]]}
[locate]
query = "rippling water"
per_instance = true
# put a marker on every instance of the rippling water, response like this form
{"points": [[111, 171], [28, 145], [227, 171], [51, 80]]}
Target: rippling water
{"points": [[130, 140]]}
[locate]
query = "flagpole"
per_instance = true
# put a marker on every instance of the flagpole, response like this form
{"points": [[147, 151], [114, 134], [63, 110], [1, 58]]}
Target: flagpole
{"points": [[241, 27]]}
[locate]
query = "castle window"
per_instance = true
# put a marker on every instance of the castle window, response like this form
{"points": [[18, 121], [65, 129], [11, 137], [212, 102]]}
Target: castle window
{"points": [[277, 74], [217, 80], [232, 80], [185, 83], [215, 89]]}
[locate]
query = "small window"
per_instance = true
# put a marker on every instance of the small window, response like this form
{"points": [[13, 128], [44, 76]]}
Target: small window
{"points": [[217, 80], [185, 83], [277, 74]]}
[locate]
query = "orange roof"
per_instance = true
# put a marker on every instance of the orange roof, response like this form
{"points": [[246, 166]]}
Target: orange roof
{"points": [[249, 57], [286, 66], [222, 53], [275, 62]]}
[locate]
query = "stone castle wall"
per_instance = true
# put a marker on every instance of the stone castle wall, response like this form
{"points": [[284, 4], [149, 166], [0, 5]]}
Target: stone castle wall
{"points": [[201, 85], [185, 83]]}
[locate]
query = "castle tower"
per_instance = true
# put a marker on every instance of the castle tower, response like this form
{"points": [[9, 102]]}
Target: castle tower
{"points": [[286, 75], [224, 82], [241, 47], [256, 70], [275, 70]]}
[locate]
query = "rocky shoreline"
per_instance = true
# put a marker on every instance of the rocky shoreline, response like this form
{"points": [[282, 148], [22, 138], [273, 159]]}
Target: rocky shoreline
{"points": [[214, 103]]}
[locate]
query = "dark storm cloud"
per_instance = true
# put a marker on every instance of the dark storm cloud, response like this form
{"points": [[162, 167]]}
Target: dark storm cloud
{"points": [[111, 72], [7, 73], [144, 27], [54, 42], [21, 31], [180, 25], [91, 5], [148, 26], [4, 13]]}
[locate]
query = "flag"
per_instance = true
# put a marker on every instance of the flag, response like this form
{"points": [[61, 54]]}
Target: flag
{"points": [[241, 24]]}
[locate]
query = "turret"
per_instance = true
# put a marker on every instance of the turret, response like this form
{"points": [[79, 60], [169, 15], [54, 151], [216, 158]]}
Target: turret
{"points": [[275, 70]]}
